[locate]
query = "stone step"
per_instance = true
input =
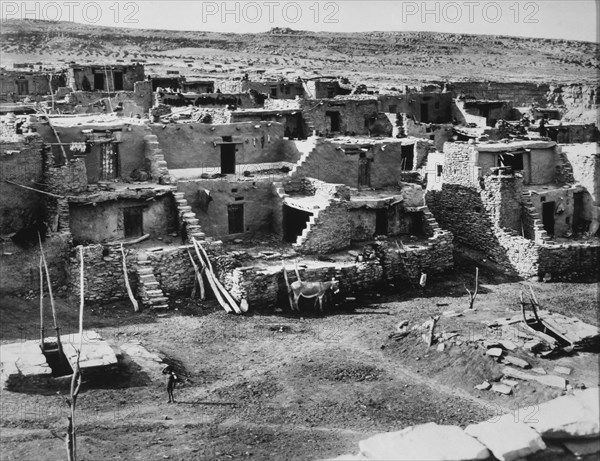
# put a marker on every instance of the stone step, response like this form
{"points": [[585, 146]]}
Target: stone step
{"points": [[178, 195], [199, 235], [149, 277], [160, 306], [161, 164], [185, 209], [144, 263], [158, 157], [154, 293], [182, 202], [158, 300], [189, 215], [145, 271], [192, 221], [150, 285]]}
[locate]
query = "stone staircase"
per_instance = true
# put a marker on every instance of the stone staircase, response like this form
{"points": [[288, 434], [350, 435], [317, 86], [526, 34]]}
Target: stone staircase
{"points": [[155, 160], [564, 174], [540, 234], [308, 147], [149, 290], [187, 216], [311, 224]]}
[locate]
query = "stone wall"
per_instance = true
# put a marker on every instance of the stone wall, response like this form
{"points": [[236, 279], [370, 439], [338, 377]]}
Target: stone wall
{"points": [[173, 270], [494, 217], [104, 280], [266, 287], [19, 266], [21, 161], [331, 232]]}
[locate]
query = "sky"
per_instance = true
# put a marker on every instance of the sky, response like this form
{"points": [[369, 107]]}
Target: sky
{"points": [[565, 19]]}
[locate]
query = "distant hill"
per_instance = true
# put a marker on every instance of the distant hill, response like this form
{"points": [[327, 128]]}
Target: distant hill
{"points": [[381, 57]]}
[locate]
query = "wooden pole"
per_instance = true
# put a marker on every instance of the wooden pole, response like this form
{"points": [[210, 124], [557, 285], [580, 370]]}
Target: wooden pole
{"points": [[41, 304], [198, 277], [129, 292], [35, 190], [287, 283], [219, 285], [49, 283], [211, 282]]}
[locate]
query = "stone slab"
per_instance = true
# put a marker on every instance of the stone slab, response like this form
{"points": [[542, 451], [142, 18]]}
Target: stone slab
{"points": [[425, 442], [507, 440], [569, 416]]}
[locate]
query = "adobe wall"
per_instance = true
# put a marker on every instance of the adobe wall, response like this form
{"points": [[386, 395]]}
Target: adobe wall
{"points": [[330, 164], [131, 148], [104, 221], [194, 145], [439, 106], [584, 160], [21, 161], [352, 114], [257, 197], [131, 74]]}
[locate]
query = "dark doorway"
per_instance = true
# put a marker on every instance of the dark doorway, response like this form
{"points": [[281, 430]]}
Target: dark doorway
{"points": [[415, 223], [133, 221], [515, 161], [578, 221], [407, 155], [424, 112], [334, 118], [235, 214], [548, 216], [118, 81], [364, 172], [99, 81], [22, 87], [109, 162], [294, 222], [381, 221], [228, 158]]}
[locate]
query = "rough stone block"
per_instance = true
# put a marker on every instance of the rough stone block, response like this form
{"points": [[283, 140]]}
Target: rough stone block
{"points": [[428, 442], [507, 440]]}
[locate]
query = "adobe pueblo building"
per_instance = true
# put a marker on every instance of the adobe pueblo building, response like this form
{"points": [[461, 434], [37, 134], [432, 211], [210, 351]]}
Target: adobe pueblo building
{"points": [[370, 189]]}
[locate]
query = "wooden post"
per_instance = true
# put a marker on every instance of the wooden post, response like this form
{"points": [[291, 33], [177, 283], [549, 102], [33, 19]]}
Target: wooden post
{"points": [[287, 283], [49, 283], [219, 285], [129, 292], [198, 277], [473, 295], [41, 305], [211, 282]]}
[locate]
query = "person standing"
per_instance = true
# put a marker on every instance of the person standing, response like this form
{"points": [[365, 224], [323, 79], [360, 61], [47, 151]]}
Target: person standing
{"points": [[172, 378]]}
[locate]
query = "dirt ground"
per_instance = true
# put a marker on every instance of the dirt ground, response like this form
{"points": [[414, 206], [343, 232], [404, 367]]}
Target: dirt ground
{"points": [[273, 385]]}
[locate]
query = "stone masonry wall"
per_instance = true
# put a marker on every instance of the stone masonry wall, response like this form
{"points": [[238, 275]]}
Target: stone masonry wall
{"points": [[332, 230]]}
